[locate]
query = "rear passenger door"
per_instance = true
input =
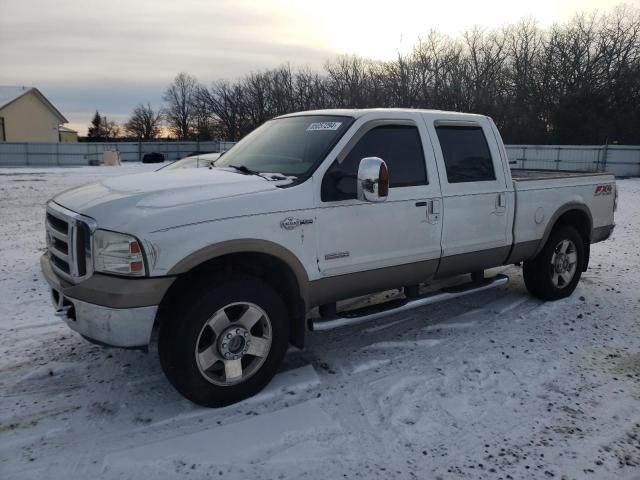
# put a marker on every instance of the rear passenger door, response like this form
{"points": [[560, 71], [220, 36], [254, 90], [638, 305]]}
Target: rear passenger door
{"points": [[476, 225], [354, 235]]}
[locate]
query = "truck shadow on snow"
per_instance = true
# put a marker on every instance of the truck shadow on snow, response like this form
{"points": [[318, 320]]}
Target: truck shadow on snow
{"points": [[128, 386]]}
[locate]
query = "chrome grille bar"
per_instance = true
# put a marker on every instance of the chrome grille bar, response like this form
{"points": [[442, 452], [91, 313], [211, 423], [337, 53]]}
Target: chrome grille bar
{"points": [[62, 226], [54, 251], [55, 233]]}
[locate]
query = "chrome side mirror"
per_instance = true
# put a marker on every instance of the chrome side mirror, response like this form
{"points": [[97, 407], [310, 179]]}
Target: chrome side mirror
{"points": [[373, 180]]}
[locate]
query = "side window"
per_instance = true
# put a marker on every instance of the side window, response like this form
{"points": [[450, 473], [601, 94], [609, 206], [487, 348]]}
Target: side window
{"points": [[466, 154], [398, 145]]}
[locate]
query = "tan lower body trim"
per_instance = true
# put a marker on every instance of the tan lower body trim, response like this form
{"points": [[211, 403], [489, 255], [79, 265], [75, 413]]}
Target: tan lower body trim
{"points": [[110, 291], [340, 287], [523, 251], [472, 261]]}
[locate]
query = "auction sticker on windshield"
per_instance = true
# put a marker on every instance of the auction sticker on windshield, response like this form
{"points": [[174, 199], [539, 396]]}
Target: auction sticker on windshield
{"points": [[324, 126]]}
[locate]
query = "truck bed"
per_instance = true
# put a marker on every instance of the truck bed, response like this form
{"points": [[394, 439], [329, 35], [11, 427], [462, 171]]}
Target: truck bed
{"points": [[542, 195], [524, 175]]}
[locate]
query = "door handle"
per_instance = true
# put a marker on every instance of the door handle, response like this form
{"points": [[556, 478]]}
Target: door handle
{"points": [[433, 211], [501, 201]]}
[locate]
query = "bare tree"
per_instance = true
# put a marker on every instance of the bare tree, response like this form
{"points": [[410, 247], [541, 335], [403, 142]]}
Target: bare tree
{"points": [[399, 80], [485, 63], [144, 122], [308, 90], [111, 129], [347, 82], [225, 101], [522, 117], [204, 120], [440, 69], [574, 82], [179, 111]]}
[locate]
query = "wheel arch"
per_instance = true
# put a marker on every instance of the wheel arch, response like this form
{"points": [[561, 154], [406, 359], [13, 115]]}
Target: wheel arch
{"points": [[574, 214], [269, 261]]}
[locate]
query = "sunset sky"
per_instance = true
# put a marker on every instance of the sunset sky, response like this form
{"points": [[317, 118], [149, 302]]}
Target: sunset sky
{"points": [[88, 55]]}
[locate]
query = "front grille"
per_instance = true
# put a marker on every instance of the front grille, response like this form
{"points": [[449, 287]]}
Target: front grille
{"points": [[69, 242], [57, 223], [60, 246], [60, 264]]}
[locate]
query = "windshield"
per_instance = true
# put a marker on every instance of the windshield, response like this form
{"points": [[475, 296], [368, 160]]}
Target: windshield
{"points": [[198, 161], [291, 146]]}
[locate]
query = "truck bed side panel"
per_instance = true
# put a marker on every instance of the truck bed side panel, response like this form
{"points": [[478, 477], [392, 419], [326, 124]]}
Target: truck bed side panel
{"points": [[539, 203]]}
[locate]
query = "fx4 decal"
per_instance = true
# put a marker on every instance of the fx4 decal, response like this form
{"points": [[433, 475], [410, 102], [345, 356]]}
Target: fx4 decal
{"points": [[603, 190]]}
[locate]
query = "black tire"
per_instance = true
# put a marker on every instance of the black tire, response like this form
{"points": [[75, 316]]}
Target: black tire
{"points": [[181, 328], [539, 272]]}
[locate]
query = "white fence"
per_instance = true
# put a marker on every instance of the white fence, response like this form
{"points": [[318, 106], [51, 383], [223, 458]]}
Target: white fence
{"points": [[76, 154], [617, 159], [621, 160]]}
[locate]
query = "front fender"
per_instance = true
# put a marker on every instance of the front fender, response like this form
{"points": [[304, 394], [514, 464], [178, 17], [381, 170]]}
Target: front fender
{"points": [[246, 245]]}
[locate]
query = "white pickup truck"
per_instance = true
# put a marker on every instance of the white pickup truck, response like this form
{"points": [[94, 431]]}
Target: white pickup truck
{"points": [[222, 266]]}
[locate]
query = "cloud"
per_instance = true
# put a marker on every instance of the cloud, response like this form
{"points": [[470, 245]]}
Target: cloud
{"points": [[88, 54], [111, 55]]}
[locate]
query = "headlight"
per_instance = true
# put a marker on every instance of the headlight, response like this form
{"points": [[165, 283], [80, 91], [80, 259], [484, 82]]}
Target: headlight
{"points": [[117, 253]]}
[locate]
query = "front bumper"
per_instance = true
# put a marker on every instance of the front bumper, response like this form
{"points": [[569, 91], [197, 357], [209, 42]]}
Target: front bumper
{"points": [[108, 310], [114, 327]]}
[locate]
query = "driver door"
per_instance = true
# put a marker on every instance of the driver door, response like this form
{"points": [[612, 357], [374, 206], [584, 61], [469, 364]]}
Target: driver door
{"points": [[358, 236]]}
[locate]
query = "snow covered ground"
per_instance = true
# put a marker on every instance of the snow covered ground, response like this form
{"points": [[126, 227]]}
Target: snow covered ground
{"points": [[495, 385]]}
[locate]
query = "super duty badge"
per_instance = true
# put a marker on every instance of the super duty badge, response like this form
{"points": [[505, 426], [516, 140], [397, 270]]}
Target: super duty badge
{"points": [[290, 223]]}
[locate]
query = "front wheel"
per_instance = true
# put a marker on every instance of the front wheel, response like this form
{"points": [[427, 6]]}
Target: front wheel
{"points": [[226, 343], [554, 273]]}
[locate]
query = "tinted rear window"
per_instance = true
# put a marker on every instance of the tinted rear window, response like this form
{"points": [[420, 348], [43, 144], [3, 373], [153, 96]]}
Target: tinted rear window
{"points": [[466, 154]]}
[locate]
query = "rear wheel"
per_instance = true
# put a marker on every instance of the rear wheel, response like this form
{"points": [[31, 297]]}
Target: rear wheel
{"points": [[554, 273], [226, 343]]}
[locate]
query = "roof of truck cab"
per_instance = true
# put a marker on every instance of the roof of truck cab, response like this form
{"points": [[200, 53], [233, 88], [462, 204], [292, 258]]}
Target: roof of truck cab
{"points": [[355, 113]]}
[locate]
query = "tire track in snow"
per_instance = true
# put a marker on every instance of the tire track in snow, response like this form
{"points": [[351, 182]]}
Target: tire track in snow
{"points": [[288, 389]]}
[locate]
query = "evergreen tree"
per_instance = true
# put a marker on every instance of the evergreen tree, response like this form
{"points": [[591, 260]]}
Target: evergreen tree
{"points": [[96, 129], [102, 130]]}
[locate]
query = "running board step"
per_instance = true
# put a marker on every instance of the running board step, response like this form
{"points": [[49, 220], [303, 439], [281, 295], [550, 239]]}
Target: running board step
{"points": [[367, 314]]}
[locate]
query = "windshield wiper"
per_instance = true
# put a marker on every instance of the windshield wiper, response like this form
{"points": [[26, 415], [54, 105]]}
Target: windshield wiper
{"points": [[244, 169], [267, 176]]}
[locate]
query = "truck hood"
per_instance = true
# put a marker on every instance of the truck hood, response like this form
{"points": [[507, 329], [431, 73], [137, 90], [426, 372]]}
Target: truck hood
{"points": [[155, 190]]}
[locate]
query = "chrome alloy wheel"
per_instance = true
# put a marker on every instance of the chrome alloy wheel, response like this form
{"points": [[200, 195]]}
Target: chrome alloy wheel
{"points": [[563, 263], [233, 344]]}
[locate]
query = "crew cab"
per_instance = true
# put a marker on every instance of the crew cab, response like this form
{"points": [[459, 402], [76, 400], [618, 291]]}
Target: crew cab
{"points": [[221, 267]]}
